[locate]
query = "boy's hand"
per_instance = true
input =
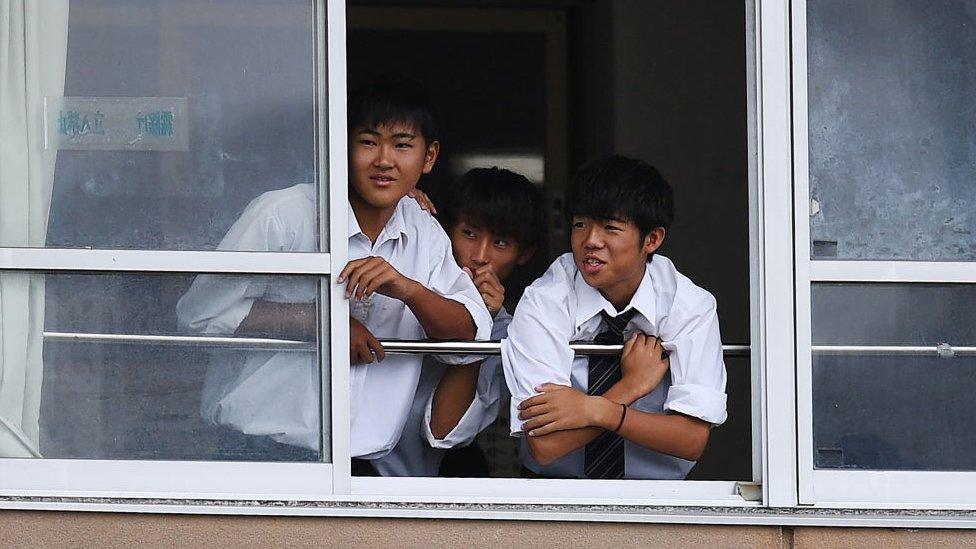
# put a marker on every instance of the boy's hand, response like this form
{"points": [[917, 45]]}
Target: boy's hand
{"points": [[423, 200], [562, 408], [363, 345], [643, 363], [491, 288], [374, 274]]}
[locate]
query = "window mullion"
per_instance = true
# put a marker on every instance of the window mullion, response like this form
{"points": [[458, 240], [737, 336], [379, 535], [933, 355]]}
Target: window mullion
{"points": [[331, 61]]}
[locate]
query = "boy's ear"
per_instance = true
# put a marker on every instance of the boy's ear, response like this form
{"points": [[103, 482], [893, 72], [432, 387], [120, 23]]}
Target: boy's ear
{"points": [[525, 256], [433, 149], [653, 240]]}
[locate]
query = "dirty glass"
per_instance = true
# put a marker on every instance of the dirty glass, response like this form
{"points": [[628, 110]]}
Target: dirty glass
{"points": [[169, 120], [892, 137], [907, 406], [162, 367]]}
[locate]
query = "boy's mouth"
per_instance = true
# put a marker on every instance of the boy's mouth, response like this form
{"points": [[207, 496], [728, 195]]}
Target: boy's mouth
{"points": [[592, 265], [382, 180]]}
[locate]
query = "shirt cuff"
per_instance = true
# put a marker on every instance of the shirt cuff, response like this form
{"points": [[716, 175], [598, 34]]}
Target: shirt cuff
{"points": [[479, 315], [515, 424], [461, 435], [698, 401]]}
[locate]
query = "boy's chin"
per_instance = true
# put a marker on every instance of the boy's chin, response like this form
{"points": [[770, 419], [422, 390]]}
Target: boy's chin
{"points": [[380, 200]]}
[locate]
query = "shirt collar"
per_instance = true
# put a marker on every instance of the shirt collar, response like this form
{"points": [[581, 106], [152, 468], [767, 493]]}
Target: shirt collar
{"points": [[395, 227], [590, 301]]}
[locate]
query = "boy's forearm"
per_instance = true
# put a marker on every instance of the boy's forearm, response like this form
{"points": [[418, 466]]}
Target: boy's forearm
{"points": [[270, 318], [453, 397], [441, 318], [673, 434], [548, 448]]}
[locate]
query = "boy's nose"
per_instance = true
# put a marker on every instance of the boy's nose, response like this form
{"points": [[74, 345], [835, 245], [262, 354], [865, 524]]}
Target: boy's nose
{"points": [[480, 253], [593, 239], [384, 157]]}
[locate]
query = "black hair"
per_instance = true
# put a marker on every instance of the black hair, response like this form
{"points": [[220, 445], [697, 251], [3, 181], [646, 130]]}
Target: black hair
{"points": [[389, 99], [628, 189], [498, 200]]}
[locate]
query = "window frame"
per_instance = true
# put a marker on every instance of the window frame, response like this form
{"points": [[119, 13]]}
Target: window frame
{"points": [[853, 488], [773, 466], [666, 492], [20, 477]]}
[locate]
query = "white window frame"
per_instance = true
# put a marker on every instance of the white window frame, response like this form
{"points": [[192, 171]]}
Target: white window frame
{"points": [[853, 488], [226, 480], [766, 279], [771, 336]]}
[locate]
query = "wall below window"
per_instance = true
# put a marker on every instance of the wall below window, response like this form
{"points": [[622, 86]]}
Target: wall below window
{"points": [[40, 529]]}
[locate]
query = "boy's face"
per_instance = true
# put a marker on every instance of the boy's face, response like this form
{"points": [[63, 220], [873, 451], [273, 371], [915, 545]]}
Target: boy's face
{"points": [[386, 162], [612, 256], [474, 248]]}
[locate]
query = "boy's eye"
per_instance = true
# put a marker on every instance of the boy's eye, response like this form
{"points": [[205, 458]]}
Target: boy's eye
{"points": [[404, 146], [578, 224], [367, 142], [468, 233], [502, 243], [611, 227]]}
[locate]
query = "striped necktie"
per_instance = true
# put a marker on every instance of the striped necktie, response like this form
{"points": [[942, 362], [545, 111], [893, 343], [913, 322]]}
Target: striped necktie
{"points": [[603, 457]]}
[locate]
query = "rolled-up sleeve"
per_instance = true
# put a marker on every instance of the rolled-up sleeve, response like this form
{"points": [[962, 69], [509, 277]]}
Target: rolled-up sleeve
{"points": [[217, 304], [480, 413], [449, 281], [537, 348], [691, 336]]}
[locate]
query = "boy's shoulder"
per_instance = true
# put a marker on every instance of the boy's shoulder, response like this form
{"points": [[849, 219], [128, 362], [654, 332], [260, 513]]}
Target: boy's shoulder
{"points": [[675, 288], [555, 289], [297, 199], [419, 225], [414, 217]]}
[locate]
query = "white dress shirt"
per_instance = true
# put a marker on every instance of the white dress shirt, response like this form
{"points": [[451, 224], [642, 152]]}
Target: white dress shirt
{"points": [[560, 307], [260, 392], [419, 453], [277, 394]]}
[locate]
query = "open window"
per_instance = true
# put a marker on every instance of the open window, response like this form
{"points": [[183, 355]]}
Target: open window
{"points": [[541, 89], [162, 122]]}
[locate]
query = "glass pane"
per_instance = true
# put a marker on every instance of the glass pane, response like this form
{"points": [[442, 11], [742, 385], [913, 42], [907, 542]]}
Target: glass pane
{"points": [[892, 139], [161, 367], [168, 119], [901, 408]]}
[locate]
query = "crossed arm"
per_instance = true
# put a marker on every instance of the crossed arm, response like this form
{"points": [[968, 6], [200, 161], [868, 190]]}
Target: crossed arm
{"points": [[561, 419]]}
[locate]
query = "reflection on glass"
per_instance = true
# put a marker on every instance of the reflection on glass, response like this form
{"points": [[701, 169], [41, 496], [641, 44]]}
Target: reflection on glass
{"points": [[164, 121], [160, 367], [906, 407], [892, 143]]}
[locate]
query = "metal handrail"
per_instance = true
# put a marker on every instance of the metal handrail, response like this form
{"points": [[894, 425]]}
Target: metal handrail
{"points": [[389, 345], [942, 350]]}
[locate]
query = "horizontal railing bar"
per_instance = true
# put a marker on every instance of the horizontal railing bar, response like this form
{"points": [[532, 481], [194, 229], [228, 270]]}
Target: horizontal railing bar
{"points": [[915, 350], [260, 343], [389, 345]]}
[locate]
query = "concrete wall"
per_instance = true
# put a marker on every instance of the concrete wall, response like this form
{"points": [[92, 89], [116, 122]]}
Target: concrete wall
{"points": [[107, 531]]}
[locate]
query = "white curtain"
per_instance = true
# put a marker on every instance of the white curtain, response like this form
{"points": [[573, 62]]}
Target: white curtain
{"points": [[33, 48]]}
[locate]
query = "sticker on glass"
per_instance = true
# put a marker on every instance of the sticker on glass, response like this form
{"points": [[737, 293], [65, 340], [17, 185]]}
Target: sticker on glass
{"points": [[116, 123]]}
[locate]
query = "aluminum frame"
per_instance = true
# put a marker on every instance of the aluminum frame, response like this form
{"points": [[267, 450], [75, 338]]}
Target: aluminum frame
{"points": [[855, 488], [214, 479], [775, 254], [319, 481]]}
